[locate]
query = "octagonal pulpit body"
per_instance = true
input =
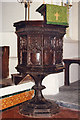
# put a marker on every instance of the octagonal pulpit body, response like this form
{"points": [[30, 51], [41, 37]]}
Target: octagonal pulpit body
{"points": [[40, 46]]}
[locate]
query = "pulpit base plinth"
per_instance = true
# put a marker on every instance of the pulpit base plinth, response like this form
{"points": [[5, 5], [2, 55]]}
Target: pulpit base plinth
{"points": [[43, 108]]}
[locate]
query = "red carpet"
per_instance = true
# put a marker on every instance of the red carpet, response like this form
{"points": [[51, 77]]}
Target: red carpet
{"points": [[64, 114]]}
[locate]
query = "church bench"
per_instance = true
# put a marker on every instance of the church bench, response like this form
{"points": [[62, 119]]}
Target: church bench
{"points": [[67, 63]]}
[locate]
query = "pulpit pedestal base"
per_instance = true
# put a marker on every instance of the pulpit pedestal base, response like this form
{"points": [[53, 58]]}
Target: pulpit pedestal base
{"points": [[45, 108], [38, 106]]}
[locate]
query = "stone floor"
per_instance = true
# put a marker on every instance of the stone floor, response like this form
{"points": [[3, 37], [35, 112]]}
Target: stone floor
{"points": [[68, 99], [68, 96]]}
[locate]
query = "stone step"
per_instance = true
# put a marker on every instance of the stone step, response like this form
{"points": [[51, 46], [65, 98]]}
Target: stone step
{"points": [[42, 112]]}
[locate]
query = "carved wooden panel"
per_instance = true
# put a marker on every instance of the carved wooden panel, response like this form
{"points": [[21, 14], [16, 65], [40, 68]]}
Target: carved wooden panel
{"points": [[47, 51], [34, 49], [52, 50], [23, 50], [40, 50]]}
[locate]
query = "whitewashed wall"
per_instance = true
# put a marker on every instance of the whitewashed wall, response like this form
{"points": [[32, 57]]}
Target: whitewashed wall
{"points": [[74, 21], [71, 50], [14, 12], [79, 20], [71, 43]]}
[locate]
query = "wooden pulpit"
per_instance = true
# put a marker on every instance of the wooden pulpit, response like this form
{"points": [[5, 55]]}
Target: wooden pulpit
{"points": [[40, 52]]}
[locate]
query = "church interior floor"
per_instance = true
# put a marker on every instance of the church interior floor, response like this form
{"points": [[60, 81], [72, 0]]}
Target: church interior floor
{"points": [[68, 99], [68, 96], [64, 114]]}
